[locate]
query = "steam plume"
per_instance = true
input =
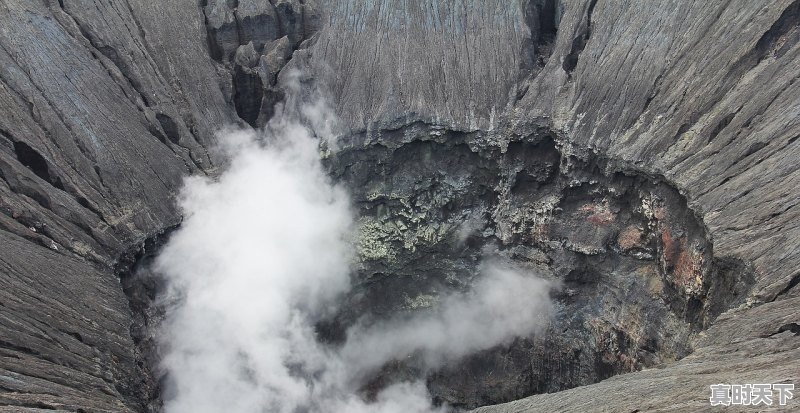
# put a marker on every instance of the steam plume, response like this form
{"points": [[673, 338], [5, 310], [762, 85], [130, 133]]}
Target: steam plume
{"points": [[263, 254]]}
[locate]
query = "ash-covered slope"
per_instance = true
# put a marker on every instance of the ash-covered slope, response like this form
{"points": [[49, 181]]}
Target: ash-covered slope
{"points": [[104, 108], [522, 114]]}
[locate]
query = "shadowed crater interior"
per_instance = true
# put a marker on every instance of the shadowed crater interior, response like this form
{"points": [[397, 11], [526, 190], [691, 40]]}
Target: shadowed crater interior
{"points": [[637, 272]]}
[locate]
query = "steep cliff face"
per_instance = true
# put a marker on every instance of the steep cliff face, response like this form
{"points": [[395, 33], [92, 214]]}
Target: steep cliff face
{"points": [[105, 108], [697, 100], [642, 153], [98, 128]]}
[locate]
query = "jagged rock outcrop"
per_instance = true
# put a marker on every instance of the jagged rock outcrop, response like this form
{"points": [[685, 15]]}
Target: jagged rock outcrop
{"points": [[254, 40], [104, 107]]}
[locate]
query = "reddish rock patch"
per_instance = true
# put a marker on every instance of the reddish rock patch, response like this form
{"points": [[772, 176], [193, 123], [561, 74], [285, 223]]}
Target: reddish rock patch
{"points": [[629, 238], [599, 213]]}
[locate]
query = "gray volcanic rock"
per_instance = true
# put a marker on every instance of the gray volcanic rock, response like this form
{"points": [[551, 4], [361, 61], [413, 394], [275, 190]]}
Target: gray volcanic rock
{"points": [[638, 272], [541, 125], [701, 95], [445, 62], [65, 333], [239, 31], [713, 116], [105, 108], [98, 127]]}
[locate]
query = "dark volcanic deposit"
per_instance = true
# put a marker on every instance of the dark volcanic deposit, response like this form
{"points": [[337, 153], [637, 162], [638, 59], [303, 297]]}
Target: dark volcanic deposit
{"points": [[638, 158]]}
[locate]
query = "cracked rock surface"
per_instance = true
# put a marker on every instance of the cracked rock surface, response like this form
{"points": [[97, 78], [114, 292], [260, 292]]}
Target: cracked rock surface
{"points": [[644, 154]]}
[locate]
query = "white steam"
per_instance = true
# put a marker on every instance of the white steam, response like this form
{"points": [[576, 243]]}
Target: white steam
{"points": [[505, 304], [263, 254], [260, 254]]}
